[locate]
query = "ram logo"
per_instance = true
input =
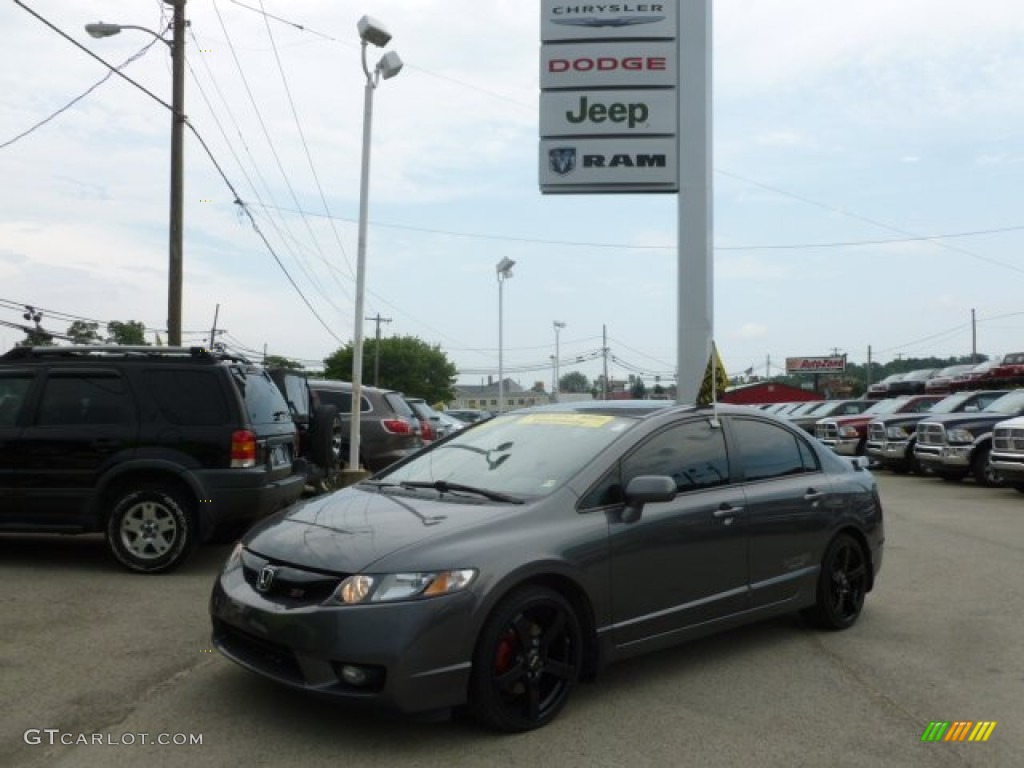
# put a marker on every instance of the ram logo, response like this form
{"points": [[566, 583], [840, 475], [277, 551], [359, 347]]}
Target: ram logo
{"points": [[562, 160]]}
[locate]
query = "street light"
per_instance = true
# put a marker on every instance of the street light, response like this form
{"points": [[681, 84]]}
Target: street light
{"points": [[558, 385], [504, 270], [372, 32], [177, 46]]}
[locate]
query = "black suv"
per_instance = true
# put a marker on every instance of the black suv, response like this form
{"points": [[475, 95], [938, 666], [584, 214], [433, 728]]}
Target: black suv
{"points": [[158, 447]]}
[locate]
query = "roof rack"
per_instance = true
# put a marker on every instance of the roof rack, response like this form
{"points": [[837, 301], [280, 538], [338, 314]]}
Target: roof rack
{"points": [[21, 353]]}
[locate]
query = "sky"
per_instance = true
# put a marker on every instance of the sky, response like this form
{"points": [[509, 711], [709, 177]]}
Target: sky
{"points": [[868, 165]]}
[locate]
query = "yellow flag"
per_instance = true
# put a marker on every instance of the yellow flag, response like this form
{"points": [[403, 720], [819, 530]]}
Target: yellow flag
{"points": [[715, 372]]}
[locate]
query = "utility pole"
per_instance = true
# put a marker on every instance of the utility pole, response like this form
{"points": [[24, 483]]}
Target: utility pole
{"points": [[974, 339], [213, 330], [604, 354], [376, 348], [867, 378], [174, 287]]}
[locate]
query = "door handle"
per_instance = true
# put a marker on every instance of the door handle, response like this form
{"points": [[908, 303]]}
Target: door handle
{"points": [[813, 495], [104, 442], [727, 510]]}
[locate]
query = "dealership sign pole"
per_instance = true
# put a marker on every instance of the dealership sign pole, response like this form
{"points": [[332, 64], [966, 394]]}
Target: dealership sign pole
{"points": [[625, 107]]}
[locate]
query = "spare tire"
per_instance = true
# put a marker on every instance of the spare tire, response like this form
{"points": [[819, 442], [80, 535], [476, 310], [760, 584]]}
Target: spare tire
{"points": [[322, 450]]}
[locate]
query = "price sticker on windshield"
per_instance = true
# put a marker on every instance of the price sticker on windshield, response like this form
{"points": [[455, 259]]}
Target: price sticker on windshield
{"points": [[587, 420]]}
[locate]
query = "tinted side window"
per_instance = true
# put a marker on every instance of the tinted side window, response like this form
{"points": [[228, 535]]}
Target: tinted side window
{"points": [[88, 398], [398, 404], [693, 454], [769, 450], [341, 400], [193, 398], [263, 400], [13, 389]]}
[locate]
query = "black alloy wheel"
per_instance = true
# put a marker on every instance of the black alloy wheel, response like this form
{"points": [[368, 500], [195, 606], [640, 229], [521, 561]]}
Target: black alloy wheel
{"points": [[527, 660], [151, 529], [842, 585]]}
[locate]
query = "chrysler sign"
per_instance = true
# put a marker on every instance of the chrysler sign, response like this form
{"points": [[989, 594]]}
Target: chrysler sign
{"points": [[591, 21]]}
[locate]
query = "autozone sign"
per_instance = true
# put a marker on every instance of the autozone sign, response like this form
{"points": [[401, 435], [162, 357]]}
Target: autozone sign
{"points": [[834, 364], [626, 64]]}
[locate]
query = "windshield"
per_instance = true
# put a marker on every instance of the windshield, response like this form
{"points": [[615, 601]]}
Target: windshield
{"points": [[1009, 403], [528, 454], [951, 404], [885, 406]]}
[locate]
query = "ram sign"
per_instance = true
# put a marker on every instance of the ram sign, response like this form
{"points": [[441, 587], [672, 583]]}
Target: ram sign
{"points": [[834, 364]]}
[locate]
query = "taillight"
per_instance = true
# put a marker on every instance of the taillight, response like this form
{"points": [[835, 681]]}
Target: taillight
{"points": [[243, 448], [426, 430], [396, 426]]}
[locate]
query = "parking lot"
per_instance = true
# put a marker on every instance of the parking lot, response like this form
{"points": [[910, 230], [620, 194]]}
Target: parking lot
{"points": [[96, 654]]}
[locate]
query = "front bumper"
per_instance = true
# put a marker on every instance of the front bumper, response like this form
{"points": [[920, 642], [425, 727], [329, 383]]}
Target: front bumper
{"points": [[1009, 466], [417, 653], [845, 446], [939, 457], [888, 452]]}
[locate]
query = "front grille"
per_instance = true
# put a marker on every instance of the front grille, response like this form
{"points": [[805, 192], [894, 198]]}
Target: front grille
{"points": [[876, 432], [931, 434], [289, 586], [826, 431], [1008, 440]]}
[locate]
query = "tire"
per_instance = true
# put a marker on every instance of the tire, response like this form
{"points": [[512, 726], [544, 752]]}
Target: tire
{"points": [[151, 529], [527, 661], [321, 438], [982, 472], [842, 585]]}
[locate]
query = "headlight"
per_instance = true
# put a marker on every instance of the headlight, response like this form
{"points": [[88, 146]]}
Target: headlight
{"points": [[381, 588], [896, 433], [234, 560], [959, 436], [848, 432]]}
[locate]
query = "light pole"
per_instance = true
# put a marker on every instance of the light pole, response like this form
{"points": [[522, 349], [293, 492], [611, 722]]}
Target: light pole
{"points": [[177, 46], [504, 270], [558, 385], [389, 65]]}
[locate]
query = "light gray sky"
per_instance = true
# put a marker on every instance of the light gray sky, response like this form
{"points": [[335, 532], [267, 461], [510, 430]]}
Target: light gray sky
{"points": [[845, 134]]}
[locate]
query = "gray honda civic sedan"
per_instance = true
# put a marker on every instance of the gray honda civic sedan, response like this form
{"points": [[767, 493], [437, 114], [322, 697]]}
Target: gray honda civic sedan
{"points": [[504, 564]]}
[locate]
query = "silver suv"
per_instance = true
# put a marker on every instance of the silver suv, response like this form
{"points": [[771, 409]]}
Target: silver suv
{"points": [[388, 429]]}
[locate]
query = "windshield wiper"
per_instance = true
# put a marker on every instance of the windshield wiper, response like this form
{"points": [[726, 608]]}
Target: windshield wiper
{"points": [[443, 486]]}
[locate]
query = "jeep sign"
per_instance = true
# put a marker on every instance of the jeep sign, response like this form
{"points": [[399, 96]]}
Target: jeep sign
{"points": [[590, 113]]}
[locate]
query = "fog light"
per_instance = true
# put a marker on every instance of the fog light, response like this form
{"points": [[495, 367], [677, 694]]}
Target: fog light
{"points": [[354, 675]]}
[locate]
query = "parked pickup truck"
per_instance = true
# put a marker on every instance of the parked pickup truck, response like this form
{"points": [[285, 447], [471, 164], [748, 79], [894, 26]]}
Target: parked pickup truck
{"points": [[1007, 457], [891, 438], [847, 435], [955, 445], [807, 420]]}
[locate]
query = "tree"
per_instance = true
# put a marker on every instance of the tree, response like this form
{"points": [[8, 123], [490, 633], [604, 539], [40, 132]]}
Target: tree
{"points": [[637, 389], [407, 364], [83, 332], [574, 383], [277, 361], [130, 333], [36, 337]]}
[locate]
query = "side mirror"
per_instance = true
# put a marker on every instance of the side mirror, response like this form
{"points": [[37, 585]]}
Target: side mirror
{"points": [[646, 489], [860, 463]]}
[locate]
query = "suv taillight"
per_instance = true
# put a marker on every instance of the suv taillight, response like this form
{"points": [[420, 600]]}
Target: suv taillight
{"points": [[243, 448], [396, 426], [426, 430]]}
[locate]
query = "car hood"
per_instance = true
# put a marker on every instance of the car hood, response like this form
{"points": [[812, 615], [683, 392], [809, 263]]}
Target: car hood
{"points": [[948, 420], [347, 531]]}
